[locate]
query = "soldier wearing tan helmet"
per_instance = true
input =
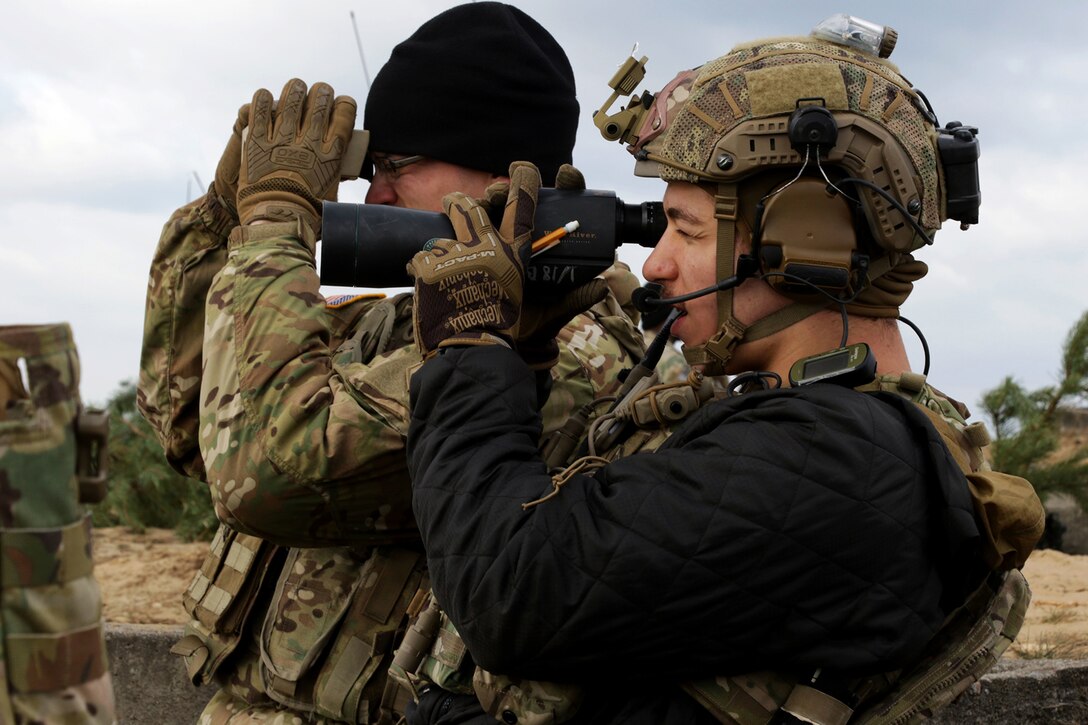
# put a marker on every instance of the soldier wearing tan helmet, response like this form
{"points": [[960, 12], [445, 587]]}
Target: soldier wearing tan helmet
{"points": [[832, 520]]}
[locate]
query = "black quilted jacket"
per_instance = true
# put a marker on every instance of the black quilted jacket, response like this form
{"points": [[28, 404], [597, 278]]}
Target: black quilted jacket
{"points": [[793, 529]]}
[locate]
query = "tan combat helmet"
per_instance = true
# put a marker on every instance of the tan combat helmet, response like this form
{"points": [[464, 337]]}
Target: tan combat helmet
{"points": [[822, 126]]}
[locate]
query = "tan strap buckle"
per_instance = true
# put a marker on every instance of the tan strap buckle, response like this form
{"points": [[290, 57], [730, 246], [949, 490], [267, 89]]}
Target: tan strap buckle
{"points": [[92, 458]]}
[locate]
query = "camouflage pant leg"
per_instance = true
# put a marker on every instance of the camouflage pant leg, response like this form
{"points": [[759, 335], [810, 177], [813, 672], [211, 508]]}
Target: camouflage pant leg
{"points": [[225, 709]]}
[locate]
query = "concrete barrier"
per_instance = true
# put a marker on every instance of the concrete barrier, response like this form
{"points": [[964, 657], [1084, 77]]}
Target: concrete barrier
{"points": [[152, 688], [149, 683], [1024, 692]]}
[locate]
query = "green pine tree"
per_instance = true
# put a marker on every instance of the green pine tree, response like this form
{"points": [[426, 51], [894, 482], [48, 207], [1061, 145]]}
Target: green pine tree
{"points": [[1025, 424], [144, 491]]}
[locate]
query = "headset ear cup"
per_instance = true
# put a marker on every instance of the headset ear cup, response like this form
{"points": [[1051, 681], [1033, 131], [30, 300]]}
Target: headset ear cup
{"points": [[808, 240]]}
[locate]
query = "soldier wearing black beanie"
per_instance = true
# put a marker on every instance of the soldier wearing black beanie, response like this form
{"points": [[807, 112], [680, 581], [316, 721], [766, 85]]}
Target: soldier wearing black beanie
{"points": [[479, 86]]}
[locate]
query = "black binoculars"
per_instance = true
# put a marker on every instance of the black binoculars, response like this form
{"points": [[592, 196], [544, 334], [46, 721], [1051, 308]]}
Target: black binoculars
{"points": [[369, 245]]}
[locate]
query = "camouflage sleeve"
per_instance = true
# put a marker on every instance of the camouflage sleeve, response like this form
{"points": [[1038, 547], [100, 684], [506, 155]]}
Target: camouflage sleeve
{"points": [[191, 250], [301, 448], [593, 348]]}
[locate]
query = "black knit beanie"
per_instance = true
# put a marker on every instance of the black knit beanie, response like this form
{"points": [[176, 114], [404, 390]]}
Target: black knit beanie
{"points": [[479, 85]]}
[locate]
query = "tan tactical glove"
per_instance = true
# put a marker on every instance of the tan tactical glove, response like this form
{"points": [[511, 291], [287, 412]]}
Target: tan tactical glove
{"points": [[291, 156], [469, 290], [225, 184], [542, 319], [570, 179]]}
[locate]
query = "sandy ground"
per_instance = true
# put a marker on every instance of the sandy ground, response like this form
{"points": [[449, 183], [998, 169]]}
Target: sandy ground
{"points": [[1057, 621], [143, 576]]}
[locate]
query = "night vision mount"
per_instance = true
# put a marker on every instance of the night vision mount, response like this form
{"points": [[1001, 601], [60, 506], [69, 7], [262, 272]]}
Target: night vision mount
{"points": [[622, 125]]}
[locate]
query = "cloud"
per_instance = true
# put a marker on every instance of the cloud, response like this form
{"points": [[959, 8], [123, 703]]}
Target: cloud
{"points": [[108, 108], [86, 267]]}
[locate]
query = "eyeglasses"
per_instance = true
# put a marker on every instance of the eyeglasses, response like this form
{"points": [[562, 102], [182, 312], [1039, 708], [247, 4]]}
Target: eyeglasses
{"points": [[391, 167]]}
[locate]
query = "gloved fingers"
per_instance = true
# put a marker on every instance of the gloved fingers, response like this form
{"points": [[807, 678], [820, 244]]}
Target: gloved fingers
{"points": [[289, 112], [517, 220], [318, 107], [584, 297], [545, 319], [495, 195], [344, 110], [541, 322], [242, 121], [570, 178], [494, 199], [260, 114], [469, 220], [226, 172]]}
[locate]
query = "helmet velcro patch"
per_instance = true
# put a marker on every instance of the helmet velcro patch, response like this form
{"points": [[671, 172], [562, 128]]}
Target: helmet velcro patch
{"points": [[776, 89]]}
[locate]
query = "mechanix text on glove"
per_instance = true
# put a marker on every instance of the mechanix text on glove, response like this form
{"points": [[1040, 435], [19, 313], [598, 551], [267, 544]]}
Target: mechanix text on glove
{"points": [[469, 290]]}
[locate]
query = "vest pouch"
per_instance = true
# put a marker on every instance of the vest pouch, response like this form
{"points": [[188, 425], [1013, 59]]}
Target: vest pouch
{"points": [[222, 592], [311, 598], [431, 652], [449, 664], [1010, 515], [220, 599], [526, 702], [351, 681]]}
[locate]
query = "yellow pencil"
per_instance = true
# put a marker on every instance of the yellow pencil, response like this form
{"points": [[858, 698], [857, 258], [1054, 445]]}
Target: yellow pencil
{"points": [[552, 238]]}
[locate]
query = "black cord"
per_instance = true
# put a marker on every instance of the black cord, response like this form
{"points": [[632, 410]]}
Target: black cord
{"points": [[842, 302], [655, 349], [893, 201], [762, 378], [922, 338], [929, 109]]}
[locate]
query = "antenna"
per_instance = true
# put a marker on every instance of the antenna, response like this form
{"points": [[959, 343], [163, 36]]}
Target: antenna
{"points": [[359, 43], [189, 187]]}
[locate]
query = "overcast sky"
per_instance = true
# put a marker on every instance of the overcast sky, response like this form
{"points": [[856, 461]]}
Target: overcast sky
{"points": [[110, 109]]}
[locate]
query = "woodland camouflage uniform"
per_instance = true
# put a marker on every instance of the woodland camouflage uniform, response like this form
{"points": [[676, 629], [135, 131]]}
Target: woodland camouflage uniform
{"points": [[53, 659]]}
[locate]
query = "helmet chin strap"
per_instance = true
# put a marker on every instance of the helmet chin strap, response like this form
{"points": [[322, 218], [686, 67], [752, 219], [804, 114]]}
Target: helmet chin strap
{"points": [[714, 354]]}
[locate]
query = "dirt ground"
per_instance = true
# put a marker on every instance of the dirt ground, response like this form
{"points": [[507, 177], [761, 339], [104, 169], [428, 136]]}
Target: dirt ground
{"points": [[142, 577]]}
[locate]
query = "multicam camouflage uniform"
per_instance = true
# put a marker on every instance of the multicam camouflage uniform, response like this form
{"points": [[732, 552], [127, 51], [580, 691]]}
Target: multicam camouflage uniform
{"points": [[321, 638], [294, 412], [51, 639], [672, 368]]}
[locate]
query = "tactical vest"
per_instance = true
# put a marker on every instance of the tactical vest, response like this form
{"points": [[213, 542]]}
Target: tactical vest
{"points": [[973, 637], [52, 460], [314, 630], [311, 630]]}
